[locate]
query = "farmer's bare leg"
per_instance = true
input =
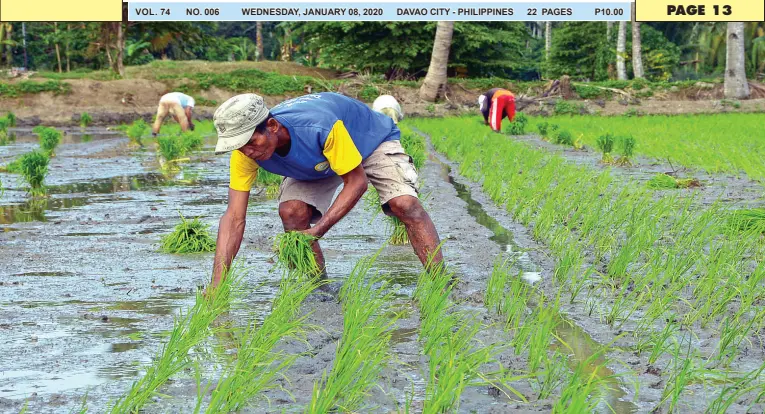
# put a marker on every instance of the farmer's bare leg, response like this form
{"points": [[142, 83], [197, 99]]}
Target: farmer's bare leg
{"points": [[420, 228], [296, 215], [161, 114]]}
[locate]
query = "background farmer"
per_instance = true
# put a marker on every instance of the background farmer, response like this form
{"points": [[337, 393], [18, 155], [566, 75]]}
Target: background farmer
{"points": [[496, 104], [388, 105], [317, 142], [178, 105]]}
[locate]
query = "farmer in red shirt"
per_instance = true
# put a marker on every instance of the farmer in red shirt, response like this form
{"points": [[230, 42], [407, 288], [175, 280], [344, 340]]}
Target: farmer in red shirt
{"points": [[495, 105]]}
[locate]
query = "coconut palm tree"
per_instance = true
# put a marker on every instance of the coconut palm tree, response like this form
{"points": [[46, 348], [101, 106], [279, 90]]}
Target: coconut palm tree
{"points": [[259, 40], [637, 47], [621, 51], [435, 79], [548, 39], [736, 85]]}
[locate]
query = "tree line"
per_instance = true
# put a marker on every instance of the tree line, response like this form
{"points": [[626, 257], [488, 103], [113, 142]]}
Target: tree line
{"points": [[403, 50]]}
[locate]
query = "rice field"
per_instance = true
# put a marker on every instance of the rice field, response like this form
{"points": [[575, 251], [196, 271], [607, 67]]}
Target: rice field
{"points": [[724, 143], [566, 288]]}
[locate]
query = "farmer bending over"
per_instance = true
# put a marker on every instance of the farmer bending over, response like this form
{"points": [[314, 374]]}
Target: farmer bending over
{"points": [[178, 105], [388, 105], [317, 142], [495, 105]]}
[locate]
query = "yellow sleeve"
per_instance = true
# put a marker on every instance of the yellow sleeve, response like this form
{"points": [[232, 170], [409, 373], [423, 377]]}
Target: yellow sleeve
{"points": [[243, 171], [341, 152]]}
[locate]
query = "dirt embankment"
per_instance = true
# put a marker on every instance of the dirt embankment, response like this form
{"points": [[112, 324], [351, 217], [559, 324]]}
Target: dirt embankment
{"points": [[124, 101]]}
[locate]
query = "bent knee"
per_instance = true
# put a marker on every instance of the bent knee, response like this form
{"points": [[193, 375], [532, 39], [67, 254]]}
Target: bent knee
{"points": [[406, 208], [296, 215]]}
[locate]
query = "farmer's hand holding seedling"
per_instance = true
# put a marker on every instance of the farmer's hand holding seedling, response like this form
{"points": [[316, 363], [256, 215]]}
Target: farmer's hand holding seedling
{"points": [[361, 146]]}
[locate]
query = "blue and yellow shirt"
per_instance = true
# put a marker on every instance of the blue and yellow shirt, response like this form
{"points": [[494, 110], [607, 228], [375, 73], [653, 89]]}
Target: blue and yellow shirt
{"points": [[330, 134]]}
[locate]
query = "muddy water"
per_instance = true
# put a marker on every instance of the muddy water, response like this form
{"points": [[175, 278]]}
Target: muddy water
{"points": [[581, 346]]}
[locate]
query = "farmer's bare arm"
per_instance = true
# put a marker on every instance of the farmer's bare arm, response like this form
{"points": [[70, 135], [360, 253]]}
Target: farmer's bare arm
{"points": [[230, 232], [354, 186]]}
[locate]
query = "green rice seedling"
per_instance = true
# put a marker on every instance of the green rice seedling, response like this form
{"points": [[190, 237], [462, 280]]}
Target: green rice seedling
{"points": [[364, 348], [294, 251], [191, 141], [137, 130], [4, 124], [398, 234], [272, 190], [33, 166], [627, 147], [684, 373], [747, 220], [588, 384], [414, 145], [554, 373], [730, 394], [190, 328], [606, 146], [3, 137], [662, 181], [543, 128], [266, 178], [516, 303], [171, 147], [495, 287], [564, 137], [733, 331], [518, 126], [49, 140], [189, 237], [454, 356], [257, 366], [85, 120], [663, 340]]}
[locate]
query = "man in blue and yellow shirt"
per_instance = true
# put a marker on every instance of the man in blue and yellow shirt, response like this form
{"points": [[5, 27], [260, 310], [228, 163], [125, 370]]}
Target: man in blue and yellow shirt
{"points": [[317, 142]]}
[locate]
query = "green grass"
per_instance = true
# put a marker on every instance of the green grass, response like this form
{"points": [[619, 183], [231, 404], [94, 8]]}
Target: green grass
{"points": [[722, 143], [190, 328], [294, 252], [364, 348], [16, 89], [189, 236]]}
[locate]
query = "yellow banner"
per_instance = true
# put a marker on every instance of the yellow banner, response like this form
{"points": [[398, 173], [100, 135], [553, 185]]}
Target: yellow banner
{"points": [[60, 10], [700, 11]]}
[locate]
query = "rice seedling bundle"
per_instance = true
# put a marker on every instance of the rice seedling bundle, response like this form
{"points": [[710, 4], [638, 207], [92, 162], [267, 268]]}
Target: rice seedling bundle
{"points": [[33, 166], [171, 147], [398, 231], [364, 348], [518, 126], [257, 366], [137, 130], [606, 146], [628, 143], [748, 220], [11, 118], [189, 237], [564, 138], [49, 139], [190, 328], [4, 124], [543, 127], [3, 137], [294, 252], [191, 141], [85, 119], [662, 182]]}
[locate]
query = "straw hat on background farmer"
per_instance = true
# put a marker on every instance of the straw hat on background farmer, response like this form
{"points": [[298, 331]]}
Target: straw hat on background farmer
{"points": [[388, 105], [178, 105], [496, 104], [317, 142]]}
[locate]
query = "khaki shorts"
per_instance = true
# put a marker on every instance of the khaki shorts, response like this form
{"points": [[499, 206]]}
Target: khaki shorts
{"points": [[389, 169], [175, 109]]}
